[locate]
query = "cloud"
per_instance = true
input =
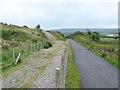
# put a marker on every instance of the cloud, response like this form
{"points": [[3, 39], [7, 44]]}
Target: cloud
{"points": [[60, 13]]}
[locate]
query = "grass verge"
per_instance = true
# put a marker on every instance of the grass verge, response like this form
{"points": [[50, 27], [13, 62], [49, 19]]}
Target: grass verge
{"points": [[72, 76]]}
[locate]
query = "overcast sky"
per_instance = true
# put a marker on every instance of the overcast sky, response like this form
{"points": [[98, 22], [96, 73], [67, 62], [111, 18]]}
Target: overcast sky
{"points": [[51, 14]]}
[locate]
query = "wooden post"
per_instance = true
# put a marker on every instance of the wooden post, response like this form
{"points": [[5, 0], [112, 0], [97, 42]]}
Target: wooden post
{"points": [[34, 47], [13, 56], [26, 52], [41, 45], [37, 46], [18, 58], [31, 49], [57, 75]]}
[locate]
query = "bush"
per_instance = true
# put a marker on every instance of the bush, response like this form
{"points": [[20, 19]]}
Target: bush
{"points": [[25, 26], [50, 44], [5, 24], [6, 34], [47, 45], [104, 54], [78, 33], [95, 36], [88, 32]]}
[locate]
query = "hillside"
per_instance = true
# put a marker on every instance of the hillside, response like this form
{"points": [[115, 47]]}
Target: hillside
{"points": [[16, 34], [21, 39]]}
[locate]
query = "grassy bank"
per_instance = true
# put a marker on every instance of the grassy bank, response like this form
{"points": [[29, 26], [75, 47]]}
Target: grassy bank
{"points": [[72, 76]]}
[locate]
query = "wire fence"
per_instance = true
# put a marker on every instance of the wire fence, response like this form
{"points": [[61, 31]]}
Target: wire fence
{"points": [[14, 55]]}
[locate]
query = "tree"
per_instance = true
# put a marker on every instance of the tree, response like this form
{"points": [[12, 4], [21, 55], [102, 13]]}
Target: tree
{"points": [[38, 26], [5, 24], [25, 26], [78, 33]]}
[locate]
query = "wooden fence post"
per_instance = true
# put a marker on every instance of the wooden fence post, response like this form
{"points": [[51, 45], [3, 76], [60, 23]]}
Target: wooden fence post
{"points": [[13, 56], [41, 45], [31, 48], [57, 75], [34, 47], [18, 58], [26, 52], [37, 46]]}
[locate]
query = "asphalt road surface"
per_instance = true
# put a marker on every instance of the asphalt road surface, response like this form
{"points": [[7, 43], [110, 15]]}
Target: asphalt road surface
{"points": [[93, 70]]}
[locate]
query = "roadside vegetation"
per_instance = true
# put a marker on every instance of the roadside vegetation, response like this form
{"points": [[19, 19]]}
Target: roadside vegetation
{"points": [[22, 39], [58, 35], [72, 76], [103, 46]]}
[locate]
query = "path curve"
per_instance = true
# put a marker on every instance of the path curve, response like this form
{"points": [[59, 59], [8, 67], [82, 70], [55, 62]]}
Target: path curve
{"points": [[93, 70]]}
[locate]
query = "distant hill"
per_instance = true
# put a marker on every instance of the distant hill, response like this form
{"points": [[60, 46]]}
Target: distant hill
{"points": [[100, 30]]}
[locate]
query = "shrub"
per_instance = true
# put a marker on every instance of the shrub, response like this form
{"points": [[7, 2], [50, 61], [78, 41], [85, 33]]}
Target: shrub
{"points": [[50, 44], [88, 32], [95, 36], [104, 54], [78, 33], [6, 34], [25, 26], [5, 24], [47, 45]]}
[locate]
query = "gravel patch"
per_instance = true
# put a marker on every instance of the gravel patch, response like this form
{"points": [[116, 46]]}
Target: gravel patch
{"points": [[47, 79]]}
